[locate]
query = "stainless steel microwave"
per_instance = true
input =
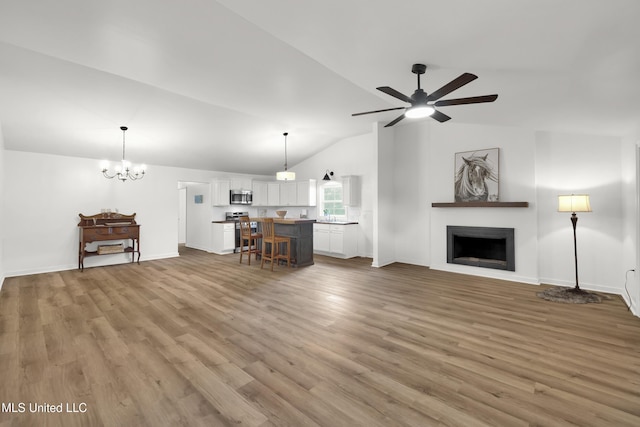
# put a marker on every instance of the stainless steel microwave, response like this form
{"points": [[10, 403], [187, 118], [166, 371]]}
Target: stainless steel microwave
{"points": [[240, 197]]}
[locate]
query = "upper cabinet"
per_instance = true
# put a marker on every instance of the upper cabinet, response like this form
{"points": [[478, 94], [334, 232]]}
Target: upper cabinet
{"points": [[273, 194], [289, 193], [286, 193], [260, 194], [351, 190], [220, 192], [241, 183], [306, 192]]}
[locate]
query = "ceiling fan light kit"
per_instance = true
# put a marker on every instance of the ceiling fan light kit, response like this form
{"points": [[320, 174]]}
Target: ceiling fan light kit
{"points": [[423, 104], [419, 111]]}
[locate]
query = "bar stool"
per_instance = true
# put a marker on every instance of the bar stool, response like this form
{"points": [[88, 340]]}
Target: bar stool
{"points": [[250, 237], [269, 237]]}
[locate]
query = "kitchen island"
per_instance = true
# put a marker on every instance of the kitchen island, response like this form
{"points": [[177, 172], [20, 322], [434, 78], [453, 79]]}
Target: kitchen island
{"points": [[300, 231]]}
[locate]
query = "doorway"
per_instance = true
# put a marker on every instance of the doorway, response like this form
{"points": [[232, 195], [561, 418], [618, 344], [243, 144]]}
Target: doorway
{"points": [[194, 215]]}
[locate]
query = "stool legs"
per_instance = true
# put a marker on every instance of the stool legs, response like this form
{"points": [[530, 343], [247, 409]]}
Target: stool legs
{"points": [[274, 253]]}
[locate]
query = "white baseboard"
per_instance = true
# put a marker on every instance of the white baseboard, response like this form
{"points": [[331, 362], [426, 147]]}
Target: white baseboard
{"points": [[54, 268], [585, 285], [486, 272]]}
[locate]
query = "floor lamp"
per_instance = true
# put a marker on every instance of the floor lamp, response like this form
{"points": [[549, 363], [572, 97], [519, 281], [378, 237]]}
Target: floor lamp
{"points": [[574, 203]]}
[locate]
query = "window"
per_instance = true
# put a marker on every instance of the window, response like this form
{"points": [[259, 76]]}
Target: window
{"points": [[331, 200]]}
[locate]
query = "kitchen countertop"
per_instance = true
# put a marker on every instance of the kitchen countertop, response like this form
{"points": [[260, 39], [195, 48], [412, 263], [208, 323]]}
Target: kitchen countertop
{"points": [[336, 222], [278, 220]]}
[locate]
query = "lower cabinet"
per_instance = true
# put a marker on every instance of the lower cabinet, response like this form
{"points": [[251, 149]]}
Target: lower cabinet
{"points": [[338, 240], [223, 237]]}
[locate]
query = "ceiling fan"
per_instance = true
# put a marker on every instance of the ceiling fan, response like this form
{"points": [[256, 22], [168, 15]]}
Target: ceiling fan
{"points": [[423, 104]]}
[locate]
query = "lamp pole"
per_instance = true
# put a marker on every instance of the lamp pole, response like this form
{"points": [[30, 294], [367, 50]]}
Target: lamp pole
{"points": [[574, 221]]}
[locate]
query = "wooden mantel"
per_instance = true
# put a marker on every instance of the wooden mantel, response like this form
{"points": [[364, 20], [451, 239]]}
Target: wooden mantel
{"points": [[480, 205]]}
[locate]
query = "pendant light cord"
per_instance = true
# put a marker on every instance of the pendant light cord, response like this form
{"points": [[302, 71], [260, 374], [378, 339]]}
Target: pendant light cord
{"points": [[124, 129], [285, 150]]}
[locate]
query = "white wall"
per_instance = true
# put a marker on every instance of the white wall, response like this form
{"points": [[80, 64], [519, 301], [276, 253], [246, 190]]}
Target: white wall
{"points": [[412, 199], [517, 183], [182, 215], [534, 167], [2, 203], [577, 164], [385, 217], [630, 158], [351, 156], [55, 189]]}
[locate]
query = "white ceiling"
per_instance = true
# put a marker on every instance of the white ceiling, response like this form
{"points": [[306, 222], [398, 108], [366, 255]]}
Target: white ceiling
{"points": [[213, 84]]}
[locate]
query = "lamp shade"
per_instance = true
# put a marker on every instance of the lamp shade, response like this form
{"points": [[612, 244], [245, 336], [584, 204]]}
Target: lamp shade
{"points": [[574, 203], [286, 176]]}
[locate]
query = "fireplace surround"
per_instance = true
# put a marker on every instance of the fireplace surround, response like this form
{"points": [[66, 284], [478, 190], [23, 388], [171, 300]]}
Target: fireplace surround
{"points": [[488, 247]]}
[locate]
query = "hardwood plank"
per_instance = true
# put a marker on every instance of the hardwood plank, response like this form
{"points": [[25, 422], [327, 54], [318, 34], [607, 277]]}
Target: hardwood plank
{"points": [[203, 340]]}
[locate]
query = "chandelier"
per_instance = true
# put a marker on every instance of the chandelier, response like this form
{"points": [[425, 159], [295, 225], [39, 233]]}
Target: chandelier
{"points": [[285, 175], [124, 170]]}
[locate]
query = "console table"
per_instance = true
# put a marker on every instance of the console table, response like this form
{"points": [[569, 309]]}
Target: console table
{"points": [[105, 227]]}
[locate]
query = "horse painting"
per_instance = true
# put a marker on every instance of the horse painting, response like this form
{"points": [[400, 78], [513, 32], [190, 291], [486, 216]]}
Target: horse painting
{"points": [[472, 178]]}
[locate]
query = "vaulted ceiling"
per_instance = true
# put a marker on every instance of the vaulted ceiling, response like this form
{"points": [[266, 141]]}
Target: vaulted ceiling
{"points": [[213, 84]]}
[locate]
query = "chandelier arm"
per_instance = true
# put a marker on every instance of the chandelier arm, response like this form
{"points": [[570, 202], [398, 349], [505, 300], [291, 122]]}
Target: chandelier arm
{"points": [[135, 176]]}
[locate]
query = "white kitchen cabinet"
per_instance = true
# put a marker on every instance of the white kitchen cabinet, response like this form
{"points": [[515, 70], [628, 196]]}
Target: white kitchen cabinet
{"points": [[306, 193], [241, 183], [220, 192], [289, 193], [321, 238], [350, 190], [260, 194], [223, 237], [338, 240], [273, 194], [286, 193]]}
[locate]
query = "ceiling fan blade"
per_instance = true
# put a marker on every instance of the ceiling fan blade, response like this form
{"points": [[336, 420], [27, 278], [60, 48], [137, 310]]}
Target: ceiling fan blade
{"points": [[441, 117], [378, 111], [470, 100], [457, 83], [395, 94], [396, 120]]}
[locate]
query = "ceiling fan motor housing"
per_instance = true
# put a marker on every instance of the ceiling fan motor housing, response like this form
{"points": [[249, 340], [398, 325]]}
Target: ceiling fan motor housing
{"points": [[419, 97]]}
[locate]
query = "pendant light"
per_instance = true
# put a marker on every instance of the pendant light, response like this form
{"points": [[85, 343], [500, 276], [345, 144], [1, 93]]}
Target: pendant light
{"points": [[124, 170], [285, 175]]}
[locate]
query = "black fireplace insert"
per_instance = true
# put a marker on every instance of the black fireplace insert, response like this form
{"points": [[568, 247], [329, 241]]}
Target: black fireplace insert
{"points": [[488, 247]]}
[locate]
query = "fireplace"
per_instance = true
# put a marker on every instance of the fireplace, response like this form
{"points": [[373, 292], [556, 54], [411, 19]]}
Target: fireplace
{"points": [[487, 247]]}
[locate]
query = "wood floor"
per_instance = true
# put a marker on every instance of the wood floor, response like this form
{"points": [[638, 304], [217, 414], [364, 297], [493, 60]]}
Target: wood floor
{"points": [[203, 340]]}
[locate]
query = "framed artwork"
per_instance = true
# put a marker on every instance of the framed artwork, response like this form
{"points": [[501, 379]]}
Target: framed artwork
{"points": [[198, 198], [477, 176]]}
